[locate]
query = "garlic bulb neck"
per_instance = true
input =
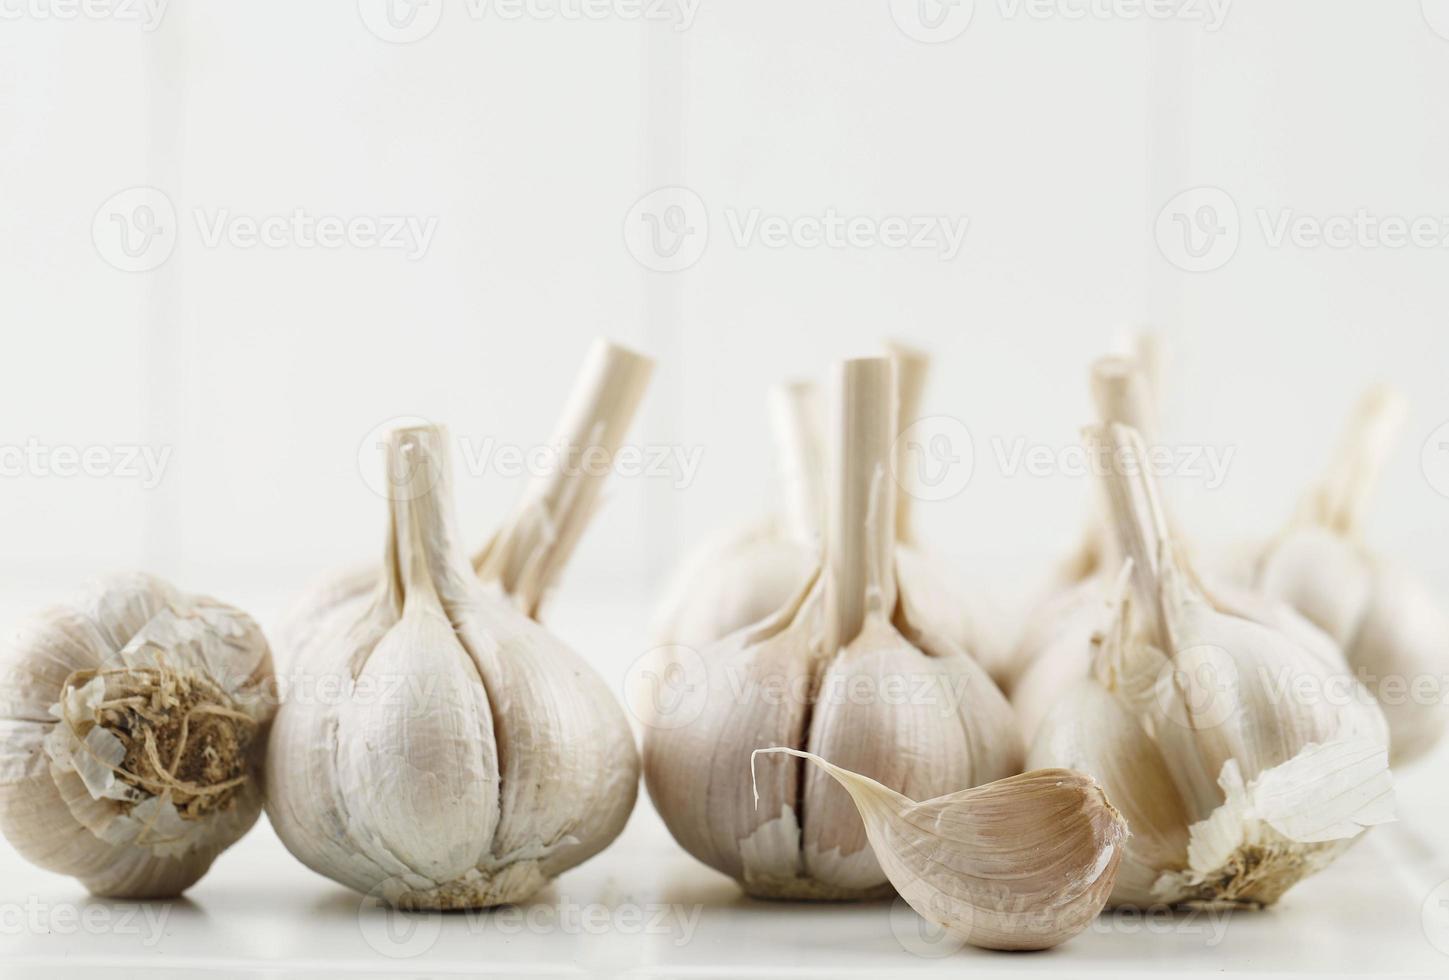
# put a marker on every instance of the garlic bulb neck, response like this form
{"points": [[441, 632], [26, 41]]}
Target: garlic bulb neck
{"points": [[1341, 500], [912, 367], [860, 540], [796, 423], [526, 558]]}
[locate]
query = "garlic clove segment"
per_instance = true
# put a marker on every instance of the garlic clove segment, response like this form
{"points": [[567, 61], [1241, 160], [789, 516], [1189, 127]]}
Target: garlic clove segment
{"points": [[1022, 863], [1393, 630], [465, 755], [839, 668], [132, 724], [1278, 757], [741, 576]]}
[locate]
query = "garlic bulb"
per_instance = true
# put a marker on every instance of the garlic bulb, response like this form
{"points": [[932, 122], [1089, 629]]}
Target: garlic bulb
{"points": [[468, 756], [741, 576], [525, 559], [1242, 758], [1393, 631], [840, 670], [132, 726], [1022, 863], [1051, 650]]}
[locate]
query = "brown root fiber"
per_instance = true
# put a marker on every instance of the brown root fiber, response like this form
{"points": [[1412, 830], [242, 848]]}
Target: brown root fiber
{"points": [[182, 733]]}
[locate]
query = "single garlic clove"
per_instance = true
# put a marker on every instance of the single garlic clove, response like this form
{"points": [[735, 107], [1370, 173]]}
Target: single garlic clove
{"points": [[1023, 863], [423, 775], [132, 724]]}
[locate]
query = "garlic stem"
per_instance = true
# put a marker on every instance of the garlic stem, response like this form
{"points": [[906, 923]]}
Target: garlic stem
{"points": [[795, 414], [912, 366], [860, 530], [528, 554], [1341, 500], [1122, 395], [1137, 517], [423, 537]]}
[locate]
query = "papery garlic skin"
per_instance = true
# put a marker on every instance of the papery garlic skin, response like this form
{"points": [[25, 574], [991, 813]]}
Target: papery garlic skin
{"points": [[133, 725], [1394, 632], [1023, 863], [1194, 718], [841, 670], [471, 756]]}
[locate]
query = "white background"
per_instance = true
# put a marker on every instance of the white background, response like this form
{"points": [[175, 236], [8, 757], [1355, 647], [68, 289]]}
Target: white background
{"points": [[1059, 138]]}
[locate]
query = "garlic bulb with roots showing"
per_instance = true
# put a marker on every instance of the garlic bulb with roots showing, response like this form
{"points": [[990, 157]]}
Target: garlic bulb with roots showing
{"points": [[132, 730], [1022, 863], [1393, 630], [840, 670], [743, 575], [525, 558], [471, 756], [1242, 758]]}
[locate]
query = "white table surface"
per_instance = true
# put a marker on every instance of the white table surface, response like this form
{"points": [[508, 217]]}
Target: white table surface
{"points": [[644, 908]]}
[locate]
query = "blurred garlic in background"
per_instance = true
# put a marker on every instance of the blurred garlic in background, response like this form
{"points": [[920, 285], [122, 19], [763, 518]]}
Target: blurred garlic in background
{"points": [[1242, 758], [841, 670], [1394, 631], [133, 724]]}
